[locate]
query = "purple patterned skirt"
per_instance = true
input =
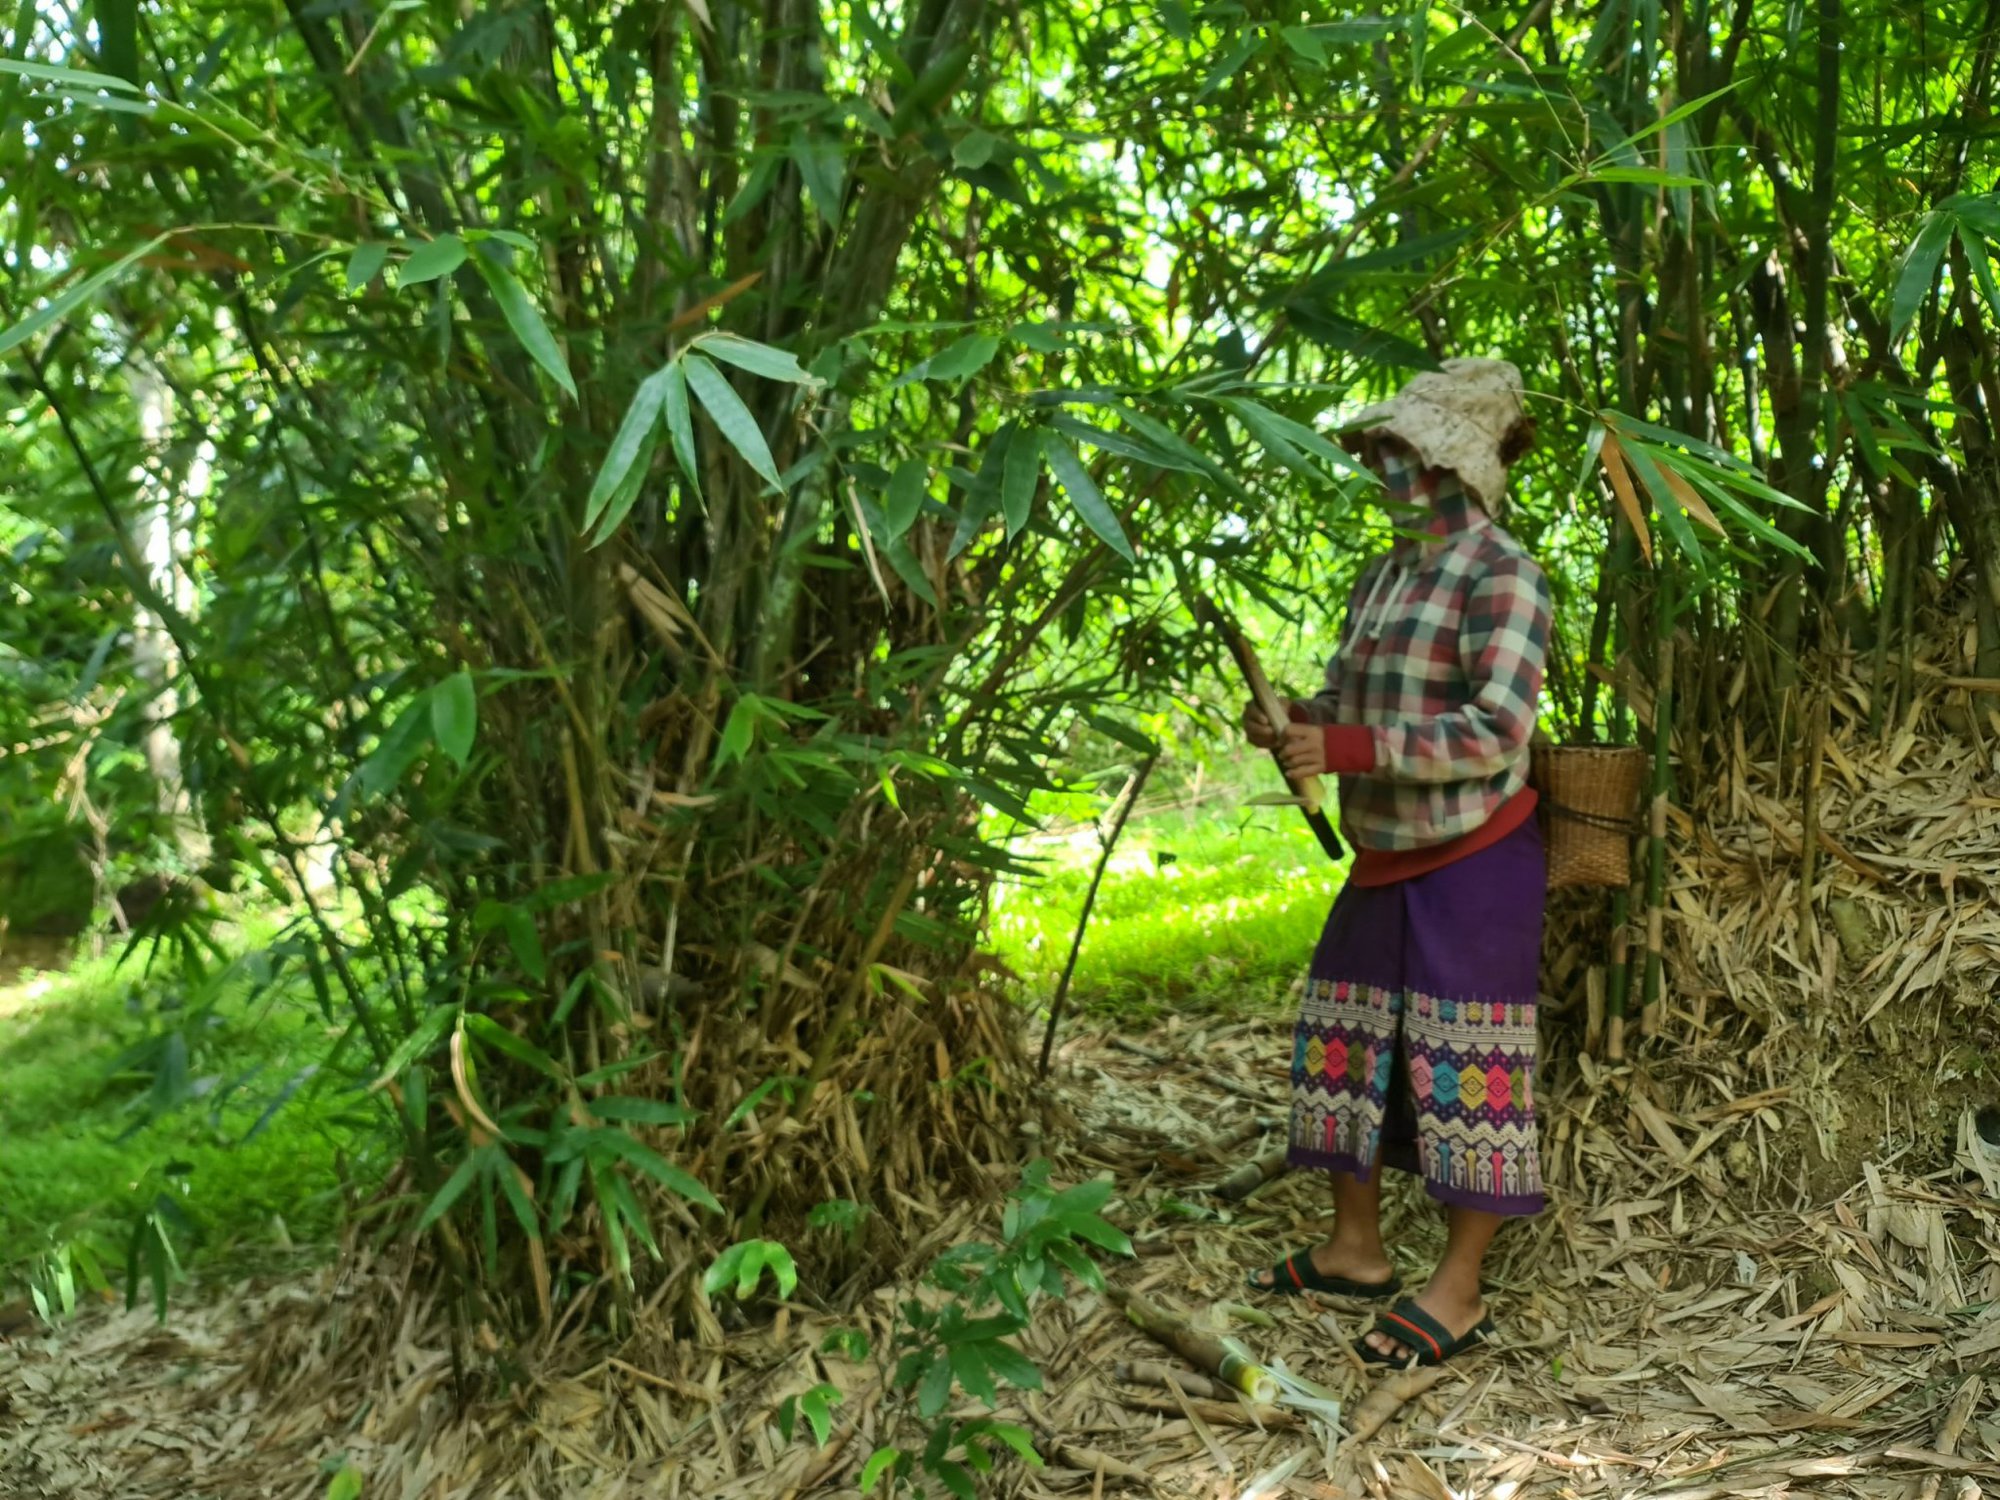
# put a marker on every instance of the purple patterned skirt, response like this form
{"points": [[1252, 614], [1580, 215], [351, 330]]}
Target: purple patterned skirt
{"points": [[1416, 1042]]}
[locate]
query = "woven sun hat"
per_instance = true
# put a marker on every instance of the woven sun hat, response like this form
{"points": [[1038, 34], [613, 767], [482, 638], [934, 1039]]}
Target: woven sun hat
{"points": [[1466, 416]]}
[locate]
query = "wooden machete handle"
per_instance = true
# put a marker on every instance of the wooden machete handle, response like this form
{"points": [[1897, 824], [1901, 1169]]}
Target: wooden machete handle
{"points": [[1309, 790]]}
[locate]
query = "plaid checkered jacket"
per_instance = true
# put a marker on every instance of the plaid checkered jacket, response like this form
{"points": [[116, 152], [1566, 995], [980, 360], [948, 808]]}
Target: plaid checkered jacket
{"points": [[1440, 658]]}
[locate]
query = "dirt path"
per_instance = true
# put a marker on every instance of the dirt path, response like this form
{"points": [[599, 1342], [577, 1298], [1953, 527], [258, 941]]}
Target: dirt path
{"points": [[1676, 1324]]}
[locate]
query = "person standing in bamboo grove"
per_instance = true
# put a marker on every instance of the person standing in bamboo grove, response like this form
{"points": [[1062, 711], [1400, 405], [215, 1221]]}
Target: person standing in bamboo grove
{"points": [[1415, 1047]]}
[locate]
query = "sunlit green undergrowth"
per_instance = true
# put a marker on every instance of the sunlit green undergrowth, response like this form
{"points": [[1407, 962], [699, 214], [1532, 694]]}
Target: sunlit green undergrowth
{"points": [[116, 1090], [1213, 910]]}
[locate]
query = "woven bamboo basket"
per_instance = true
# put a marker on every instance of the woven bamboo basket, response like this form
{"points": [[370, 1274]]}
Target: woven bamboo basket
{"points": [[1589, 810]]}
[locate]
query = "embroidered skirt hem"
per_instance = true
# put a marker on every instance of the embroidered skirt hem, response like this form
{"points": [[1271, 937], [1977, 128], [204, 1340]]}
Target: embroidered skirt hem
{"points": [[1416, 1046]]}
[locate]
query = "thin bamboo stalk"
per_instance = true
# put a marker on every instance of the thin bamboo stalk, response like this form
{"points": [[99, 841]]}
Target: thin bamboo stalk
{"points": [[1618, 976], [1665, 614], [1809, 816], [1127, 800]]}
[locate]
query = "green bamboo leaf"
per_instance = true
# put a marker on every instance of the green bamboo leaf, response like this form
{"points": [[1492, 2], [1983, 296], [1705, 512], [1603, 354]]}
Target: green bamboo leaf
{"points": [[880, 1462], [455, 715], [823, 170], [1085, 496], [428, 1033], [905, 498], [620, 506], [1982, 267], [397, 750], [76, 296], [818, 1404], [968, 1363], [657, 1167], [453, 1190], [1232, 61], [1259, 424], [1350, 268], [1013, 1366], [1634, 176], [907, 568], [680, 425], [1120, 444], [934, 1388], [1676, 116], [1666, 504], [1919, 270], [636, 1218], [1374, 345], [737, 731], [731, 417], [526, 322], [635, 1111], [758, 359], [1264, 424], [346, 1485], [633, 443], [1708, 482], [498, 1037], [965, 358], [754, 190], [1020, 474], [432, 259], [975, 149], [365, 264], [76, 78], [523, 937], [518, 1199]]}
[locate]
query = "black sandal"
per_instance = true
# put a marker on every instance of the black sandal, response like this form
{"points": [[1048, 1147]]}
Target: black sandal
{"points": [[1296, 1275], [1428, 1340]]}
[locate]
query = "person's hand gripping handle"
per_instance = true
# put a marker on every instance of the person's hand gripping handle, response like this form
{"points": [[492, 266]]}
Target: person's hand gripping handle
{"points": [[1265, 722]]}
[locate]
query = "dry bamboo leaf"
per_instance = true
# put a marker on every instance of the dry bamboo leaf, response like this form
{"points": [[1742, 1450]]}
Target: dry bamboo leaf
{"points": [[1612, 457], [1690, 500]]}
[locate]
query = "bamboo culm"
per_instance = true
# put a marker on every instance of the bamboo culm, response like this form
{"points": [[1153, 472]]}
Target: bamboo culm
{"points": [[1663, 781]]}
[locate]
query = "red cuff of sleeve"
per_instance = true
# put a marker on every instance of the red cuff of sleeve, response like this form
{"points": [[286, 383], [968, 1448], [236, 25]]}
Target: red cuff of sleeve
{"points": [[1350, 749], [1296, 712]]}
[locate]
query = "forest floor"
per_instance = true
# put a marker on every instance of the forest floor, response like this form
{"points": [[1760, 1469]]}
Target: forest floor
{"points": [[1678, 1324], [1770, 1265]]}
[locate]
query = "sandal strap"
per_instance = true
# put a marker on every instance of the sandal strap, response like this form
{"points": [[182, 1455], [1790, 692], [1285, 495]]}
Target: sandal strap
{"points": [[1413, 1328], [1290, 1277]]}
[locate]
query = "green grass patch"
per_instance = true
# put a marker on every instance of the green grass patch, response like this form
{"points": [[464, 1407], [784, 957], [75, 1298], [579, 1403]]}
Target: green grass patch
{"points": [[1214, 909], [115, 1090]]}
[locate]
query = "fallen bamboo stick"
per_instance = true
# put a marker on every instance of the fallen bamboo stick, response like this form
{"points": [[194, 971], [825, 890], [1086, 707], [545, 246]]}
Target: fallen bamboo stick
{"points": [[1090, 1461], [1255, 1414], [1252, 1175], [1950, 1428], [1165, 1377], [1223, 1358], [1242, 1135], [1344, 1344]]}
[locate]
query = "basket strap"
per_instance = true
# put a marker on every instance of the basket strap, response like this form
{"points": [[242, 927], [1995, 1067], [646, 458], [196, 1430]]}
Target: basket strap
{"points": [[1594, 820]]}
